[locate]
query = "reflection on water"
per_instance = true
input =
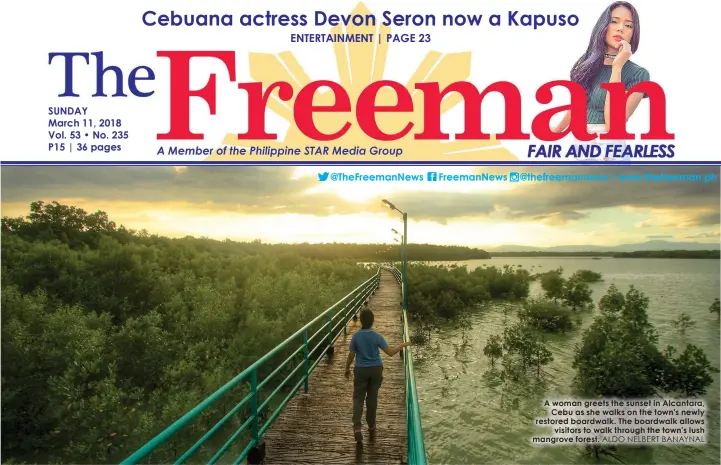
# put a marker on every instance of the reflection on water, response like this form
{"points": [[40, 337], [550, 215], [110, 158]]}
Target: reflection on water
{"points": [[471, 415]]}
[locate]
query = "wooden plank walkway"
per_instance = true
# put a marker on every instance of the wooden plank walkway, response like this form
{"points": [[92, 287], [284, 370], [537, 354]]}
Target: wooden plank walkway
{"points": [[316, 428]]}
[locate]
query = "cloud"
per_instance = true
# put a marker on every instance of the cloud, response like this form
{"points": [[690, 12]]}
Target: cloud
{"points": [[680, 219], [709, 235], [159, 183], [702, 219], [659, 237], [273, 189], [560, 218], [534, 199]]}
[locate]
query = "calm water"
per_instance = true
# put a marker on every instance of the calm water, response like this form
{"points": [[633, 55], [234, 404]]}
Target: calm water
{"points": [[467, 418]]}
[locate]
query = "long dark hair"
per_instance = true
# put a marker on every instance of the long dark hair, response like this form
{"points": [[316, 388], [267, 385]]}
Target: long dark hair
{"points": [[591, 62]]}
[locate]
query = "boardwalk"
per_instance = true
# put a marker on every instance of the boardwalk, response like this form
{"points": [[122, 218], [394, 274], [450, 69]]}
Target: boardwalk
{"points": [[316, 427]]}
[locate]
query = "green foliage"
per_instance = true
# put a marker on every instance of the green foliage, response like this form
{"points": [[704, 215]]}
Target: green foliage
{"points": [[576, 294], [463, 322], [438, 294], [683, 322], [612, 301], [670, 254], [383, 252], [505, 283], [546, 315], [110, 335], [587, 276], [619, 357], [552, 283], [70, 225], [573, 292], [689, 372], [493, 348], [715, 307], [523, 348]]}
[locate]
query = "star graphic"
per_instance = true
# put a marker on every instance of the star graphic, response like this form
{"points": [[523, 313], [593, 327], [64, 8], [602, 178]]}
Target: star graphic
{"points": [[359, 64]]}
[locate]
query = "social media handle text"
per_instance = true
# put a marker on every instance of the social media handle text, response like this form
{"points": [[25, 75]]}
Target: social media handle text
{"points": [[515, 177], [602, 150]]}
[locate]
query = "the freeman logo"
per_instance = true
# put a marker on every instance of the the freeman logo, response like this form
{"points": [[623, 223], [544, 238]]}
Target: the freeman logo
{"points": [[360, 111], [434, 176]]}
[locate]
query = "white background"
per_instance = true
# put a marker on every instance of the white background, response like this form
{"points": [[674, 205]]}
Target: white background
{"points": [[679, 47]]}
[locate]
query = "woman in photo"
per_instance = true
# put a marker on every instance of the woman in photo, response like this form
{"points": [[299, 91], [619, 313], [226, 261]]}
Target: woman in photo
{"points": [[614, 39]]}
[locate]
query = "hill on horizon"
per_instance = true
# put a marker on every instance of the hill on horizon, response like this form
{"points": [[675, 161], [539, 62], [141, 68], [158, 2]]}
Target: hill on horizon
{"points": [[654, 245]]}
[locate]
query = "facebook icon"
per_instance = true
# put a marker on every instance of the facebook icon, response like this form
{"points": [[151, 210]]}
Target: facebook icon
{"points": [[432, 176]]}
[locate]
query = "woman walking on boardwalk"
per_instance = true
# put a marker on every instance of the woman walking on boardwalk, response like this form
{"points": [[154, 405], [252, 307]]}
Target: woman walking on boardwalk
{"points": [[366, 345]]}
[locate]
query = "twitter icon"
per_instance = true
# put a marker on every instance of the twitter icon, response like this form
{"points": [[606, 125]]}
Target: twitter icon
{"points": [[323, 176]]}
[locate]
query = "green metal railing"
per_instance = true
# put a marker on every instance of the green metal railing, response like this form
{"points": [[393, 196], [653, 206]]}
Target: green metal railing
{"points": [[416, 446], [334, 322]]}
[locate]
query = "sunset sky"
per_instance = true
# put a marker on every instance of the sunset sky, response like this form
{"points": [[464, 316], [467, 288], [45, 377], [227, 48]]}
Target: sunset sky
{"points": [[290, 204]]}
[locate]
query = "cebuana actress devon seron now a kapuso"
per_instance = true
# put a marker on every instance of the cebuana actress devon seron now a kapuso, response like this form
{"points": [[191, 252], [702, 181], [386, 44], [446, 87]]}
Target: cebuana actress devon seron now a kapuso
{"points": [[321, 18]]}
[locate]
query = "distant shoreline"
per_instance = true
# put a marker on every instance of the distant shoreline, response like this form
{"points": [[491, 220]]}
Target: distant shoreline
{"points": [[696, 254], [672, 254]]}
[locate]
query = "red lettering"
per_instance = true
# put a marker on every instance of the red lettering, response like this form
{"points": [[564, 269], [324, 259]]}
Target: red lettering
{"points": [[433, 97], [541, 126], [367, 108], [434, 101], [180, 92], [257, 103], [617, 111], [657, 110], [303, 109]]}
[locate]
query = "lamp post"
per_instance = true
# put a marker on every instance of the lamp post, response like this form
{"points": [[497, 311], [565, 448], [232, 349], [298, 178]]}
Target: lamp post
{"points": [[404, 258]]}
